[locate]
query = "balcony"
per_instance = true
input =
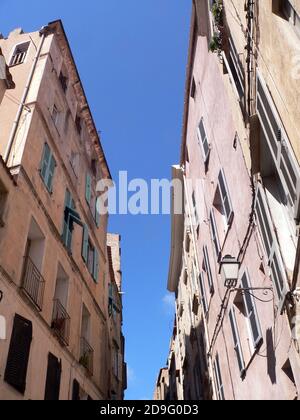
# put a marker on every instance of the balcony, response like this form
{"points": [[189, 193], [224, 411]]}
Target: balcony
{"points": [[33, 283], [86, 355], [61, 322]]}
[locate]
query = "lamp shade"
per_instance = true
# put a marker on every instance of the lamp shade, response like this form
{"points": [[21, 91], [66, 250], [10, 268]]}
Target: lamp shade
{"points": [[229, 269]]}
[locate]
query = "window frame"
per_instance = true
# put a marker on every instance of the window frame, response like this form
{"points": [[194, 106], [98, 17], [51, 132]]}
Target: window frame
{"points": [[13, 54], [218, 378], [251, 313], [237, 342], [47, 167], [207, 266], [279, 146], [270, 246], [215, 235], [202, 140], [225, 198]]}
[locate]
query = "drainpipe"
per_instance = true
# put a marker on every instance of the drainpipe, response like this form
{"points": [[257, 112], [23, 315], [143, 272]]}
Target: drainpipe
{"points": [[43, 33], [210, 362]]}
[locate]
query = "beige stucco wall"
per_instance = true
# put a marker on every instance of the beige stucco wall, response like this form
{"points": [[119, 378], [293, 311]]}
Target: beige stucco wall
{"points": [[30, 199]]}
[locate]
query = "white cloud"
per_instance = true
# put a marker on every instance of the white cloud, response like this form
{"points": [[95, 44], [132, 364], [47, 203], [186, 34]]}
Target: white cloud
{"points": [[169, 303], [130, 375]]}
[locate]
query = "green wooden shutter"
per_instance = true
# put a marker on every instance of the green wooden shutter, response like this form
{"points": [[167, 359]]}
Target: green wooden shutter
{"points": [[88, 188], [96, 266], [85, 243], [45, 161], [50, 175]]}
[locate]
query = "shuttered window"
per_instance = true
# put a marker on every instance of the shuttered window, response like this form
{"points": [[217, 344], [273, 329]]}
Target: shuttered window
{"points": [[251, 311], [225, 197], [274, 135], [47, 169], [215, 235], [90, 255], [271, 247], [96, 266], [70, 217], [88, 189], [53, 379], [208, 270], [219, 381], [203, 141], [203, 293], [236, 69], [18, 354], [237, 341]]}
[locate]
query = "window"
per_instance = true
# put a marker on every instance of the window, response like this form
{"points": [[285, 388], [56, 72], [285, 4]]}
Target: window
{"points": [[193, 89], [214, 235], [272, 253], [203, 141], [90, 255], [86, 351], [278, 160], [47, 168], [53, 379], [207, 269], [203, 293], [195, 215], [19, 54], [78, 124], [91, 199], [18, 354], [251, 312], [113, 307], [225, 198], [70, 217], [60, 318], [218, 378], [55, 115], [88, 189], [237, 341], [75, 163], [63, 82], [237, 70], [291, 14], [33, 283]]}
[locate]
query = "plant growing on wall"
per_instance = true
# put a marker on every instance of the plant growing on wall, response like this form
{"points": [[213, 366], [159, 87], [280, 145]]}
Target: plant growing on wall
{"points": [[217, 12], [218, 24]]}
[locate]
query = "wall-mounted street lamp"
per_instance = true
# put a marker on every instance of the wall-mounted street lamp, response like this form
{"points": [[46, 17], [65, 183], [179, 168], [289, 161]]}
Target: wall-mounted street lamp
{"points": [[229, 269]]}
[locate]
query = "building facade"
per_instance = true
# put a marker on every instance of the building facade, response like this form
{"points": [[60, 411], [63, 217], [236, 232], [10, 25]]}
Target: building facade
{"points": [[118, 376], [239, 339], [53, 242]]}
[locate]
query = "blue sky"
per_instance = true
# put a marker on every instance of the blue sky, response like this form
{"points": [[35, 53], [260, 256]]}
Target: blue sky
{"points": [[131, 55]]}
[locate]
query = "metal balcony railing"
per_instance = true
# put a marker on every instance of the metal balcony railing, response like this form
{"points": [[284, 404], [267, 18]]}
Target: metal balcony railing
{"points": [[86, 355], [61, 322], [33, 283]]}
